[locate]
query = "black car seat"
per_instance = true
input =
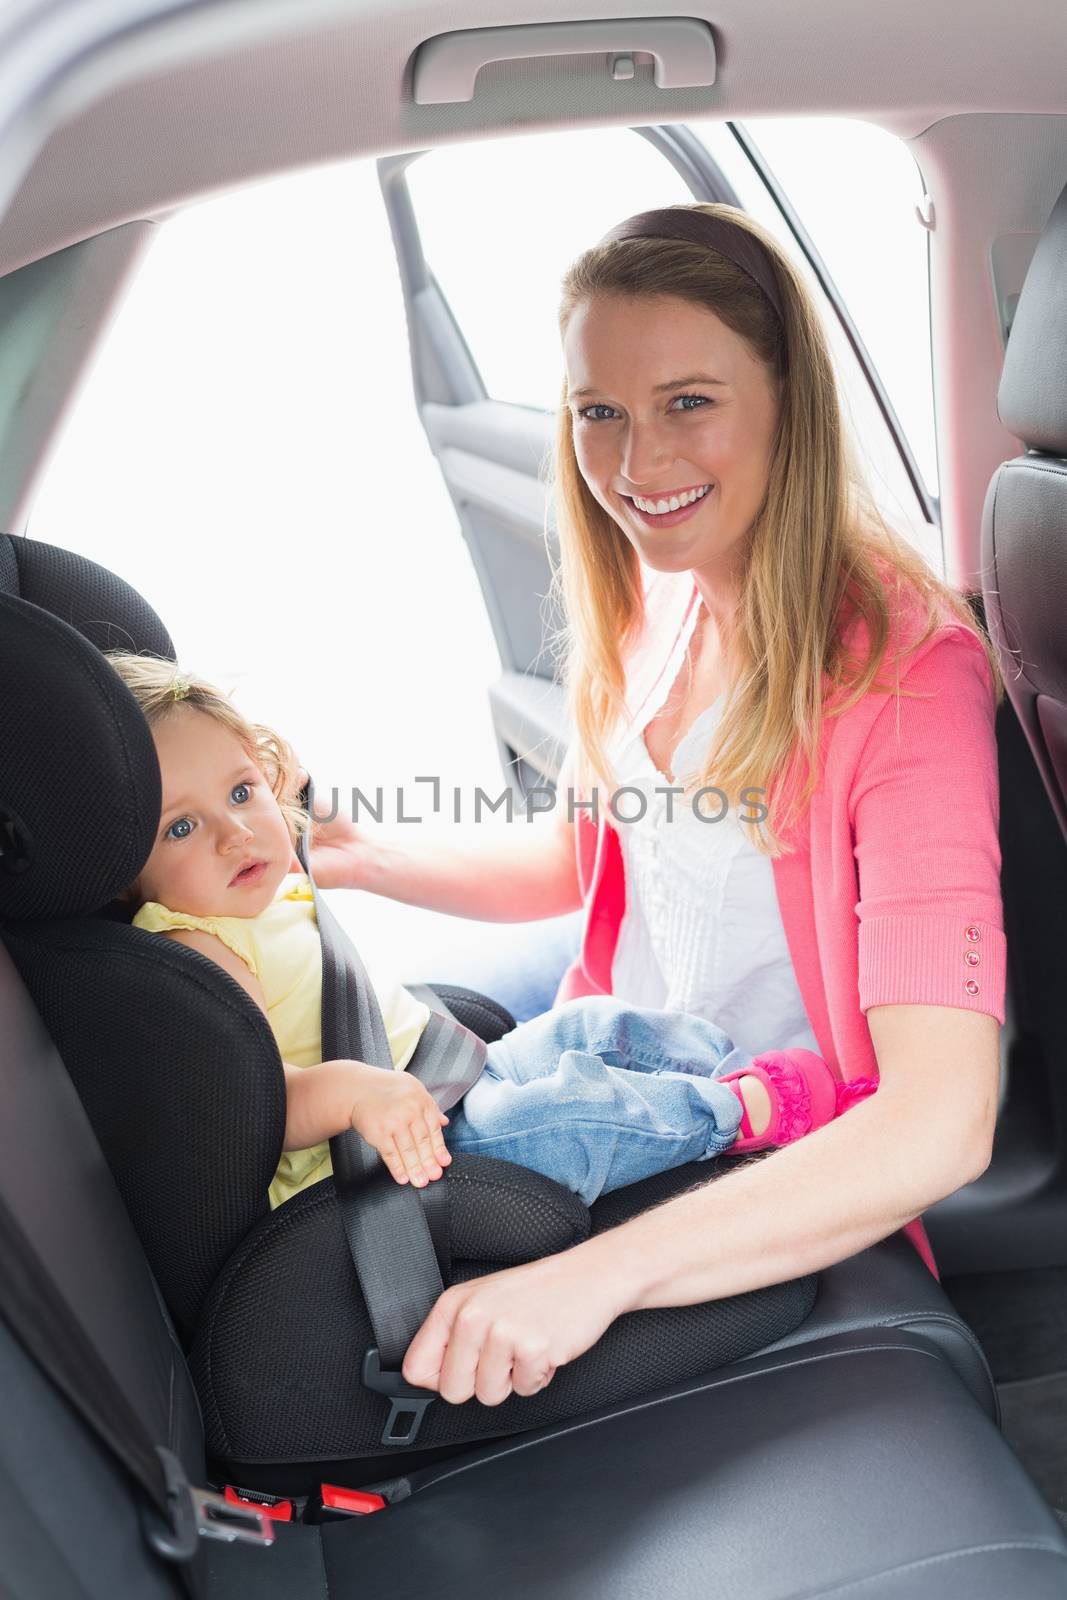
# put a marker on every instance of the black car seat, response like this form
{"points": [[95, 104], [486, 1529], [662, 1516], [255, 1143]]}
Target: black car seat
{"points": [[181, 1078], [1024, 551], [267, 1304], [856, 1463]]}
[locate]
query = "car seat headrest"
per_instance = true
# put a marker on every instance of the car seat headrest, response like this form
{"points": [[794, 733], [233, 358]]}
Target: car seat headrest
{"points": [[1032, 401], [79, 781]]}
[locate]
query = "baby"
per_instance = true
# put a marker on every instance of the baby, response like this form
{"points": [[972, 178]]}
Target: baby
{"points": [[595, 1094]]}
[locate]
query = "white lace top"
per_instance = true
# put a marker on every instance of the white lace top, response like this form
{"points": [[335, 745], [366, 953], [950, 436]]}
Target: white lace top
{"points": [[702, 931]]}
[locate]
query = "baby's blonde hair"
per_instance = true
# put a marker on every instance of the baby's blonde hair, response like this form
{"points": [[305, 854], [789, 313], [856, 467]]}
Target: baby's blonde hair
{"points": [[158, 686]]}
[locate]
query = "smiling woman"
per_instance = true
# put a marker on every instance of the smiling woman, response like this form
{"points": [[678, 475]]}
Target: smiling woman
{"points": [[780, 600], [665, 454], [786, 518]]}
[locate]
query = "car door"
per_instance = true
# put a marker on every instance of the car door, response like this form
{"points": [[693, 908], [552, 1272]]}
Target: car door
{"points": [[482, 234]]}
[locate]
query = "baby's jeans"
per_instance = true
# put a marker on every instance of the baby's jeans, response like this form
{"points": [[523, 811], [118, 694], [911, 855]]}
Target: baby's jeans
{"points": [[597, 1094]]}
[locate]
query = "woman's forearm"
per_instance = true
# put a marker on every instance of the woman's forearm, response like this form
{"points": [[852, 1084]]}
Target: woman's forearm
{"points": [[514, 873], [801, 1209]]}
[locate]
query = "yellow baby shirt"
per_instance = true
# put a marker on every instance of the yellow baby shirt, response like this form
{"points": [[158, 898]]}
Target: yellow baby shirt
{"points": [[281, 948]]}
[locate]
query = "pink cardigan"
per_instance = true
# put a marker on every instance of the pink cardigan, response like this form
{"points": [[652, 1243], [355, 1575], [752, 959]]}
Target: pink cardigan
{"points": [[892, 894]]}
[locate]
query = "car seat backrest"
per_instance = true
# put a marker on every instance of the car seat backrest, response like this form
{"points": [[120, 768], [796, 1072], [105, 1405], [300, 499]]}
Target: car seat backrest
{"points": [[178, 1071], [1024, 535]]}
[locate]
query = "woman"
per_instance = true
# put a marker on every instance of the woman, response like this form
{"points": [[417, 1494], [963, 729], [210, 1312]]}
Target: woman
{"points": [[739, 617]]}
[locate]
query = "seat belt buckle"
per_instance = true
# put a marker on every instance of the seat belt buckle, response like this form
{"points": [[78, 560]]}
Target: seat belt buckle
{"points": [[407, 1405], [272, 1506]]}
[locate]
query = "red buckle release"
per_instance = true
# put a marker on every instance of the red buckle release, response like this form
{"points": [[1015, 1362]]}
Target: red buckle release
{"points": [[279, 1510], [357, 1502]]}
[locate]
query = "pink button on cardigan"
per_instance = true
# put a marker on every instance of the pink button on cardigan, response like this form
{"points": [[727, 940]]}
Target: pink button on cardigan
{"points": [[893, 888]]}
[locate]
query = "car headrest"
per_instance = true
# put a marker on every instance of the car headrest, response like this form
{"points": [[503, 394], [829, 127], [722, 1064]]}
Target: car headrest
{"points": [[80, 789], [1032, 401]]}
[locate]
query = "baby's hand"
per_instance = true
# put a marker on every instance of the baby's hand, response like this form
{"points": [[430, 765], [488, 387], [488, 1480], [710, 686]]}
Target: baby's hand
{"points": [[400, 1118]]}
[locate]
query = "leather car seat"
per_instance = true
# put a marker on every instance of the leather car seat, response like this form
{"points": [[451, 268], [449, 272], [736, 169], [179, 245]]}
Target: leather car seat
{"points": [[1024, 549]]}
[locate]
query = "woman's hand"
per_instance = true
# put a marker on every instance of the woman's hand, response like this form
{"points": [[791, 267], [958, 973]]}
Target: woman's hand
{"points": [[340, 854], [507, 1333], [401, 1119], [338, 850]]}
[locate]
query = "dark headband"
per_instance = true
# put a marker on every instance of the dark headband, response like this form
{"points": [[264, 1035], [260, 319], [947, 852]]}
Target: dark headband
{"points": [[692, 226]]}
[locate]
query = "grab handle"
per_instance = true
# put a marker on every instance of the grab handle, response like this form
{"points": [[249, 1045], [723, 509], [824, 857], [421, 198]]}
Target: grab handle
{"points": [[682, 47]]}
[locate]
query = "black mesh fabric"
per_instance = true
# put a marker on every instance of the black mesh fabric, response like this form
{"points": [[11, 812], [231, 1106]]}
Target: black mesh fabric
{"points": [[100, 605], [277, 1356], [78, 809], [180, 1076], [9, 567], [506, 1214], [82, 800]]}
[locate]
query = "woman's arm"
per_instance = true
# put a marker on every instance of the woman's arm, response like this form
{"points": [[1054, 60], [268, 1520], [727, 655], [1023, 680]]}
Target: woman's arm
{"points": [[515, 871], [925, 1133]]}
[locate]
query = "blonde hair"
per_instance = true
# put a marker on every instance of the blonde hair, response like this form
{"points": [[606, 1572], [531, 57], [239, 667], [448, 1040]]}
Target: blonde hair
{"points": [[158, 686], [818, 554]]}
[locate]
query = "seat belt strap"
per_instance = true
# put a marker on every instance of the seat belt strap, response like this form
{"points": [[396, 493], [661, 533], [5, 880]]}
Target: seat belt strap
{"points": [[388, 1235], [397, 1235], [448, 1058]]}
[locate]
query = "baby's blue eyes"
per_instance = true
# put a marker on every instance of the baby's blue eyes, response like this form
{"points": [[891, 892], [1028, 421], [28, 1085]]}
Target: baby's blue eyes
{"points": [[240, 795], [702, 400]]}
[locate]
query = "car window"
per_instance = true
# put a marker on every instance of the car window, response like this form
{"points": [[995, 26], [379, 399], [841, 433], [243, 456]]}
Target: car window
{"points": [[854, 189], [247, 453], [500, 222]]}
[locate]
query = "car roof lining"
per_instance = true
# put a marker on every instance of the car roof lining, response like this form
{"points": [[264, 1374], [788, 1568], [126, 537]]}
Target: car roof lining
{"points": [[214, 97]]}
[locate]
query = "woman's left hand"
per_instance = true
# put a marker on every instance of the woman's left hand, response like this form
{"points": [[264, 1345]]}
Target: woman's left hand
{"points": [[507, 1333]]}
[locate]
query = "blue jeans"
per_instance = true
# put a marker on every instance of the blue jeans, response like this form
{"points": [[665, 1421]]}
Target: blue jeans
{"points": [[597, 1094]]}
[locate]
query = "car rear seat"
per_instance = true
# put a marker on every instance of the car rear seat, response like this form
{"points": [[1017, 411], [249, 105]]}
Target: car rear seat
{"points": [[857, 1459]]}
